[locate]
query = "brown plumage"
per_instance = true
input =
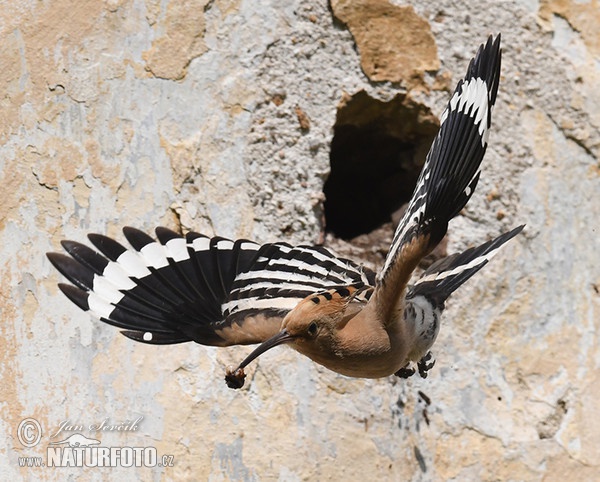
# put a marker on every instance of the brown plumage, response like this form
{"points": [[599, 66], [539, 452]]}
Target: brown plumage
{"points": [[220, 292]]}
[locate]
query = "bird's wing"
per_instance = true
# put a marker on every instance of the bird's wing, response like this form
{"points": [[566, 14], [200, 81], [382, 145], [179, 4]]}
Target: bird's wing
{"points": [[210, 290], [450, 172]]}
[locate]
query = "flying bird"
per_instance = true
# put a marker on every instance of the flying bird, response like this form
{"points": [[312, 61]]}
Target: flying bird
{"points": [[221, 292]]}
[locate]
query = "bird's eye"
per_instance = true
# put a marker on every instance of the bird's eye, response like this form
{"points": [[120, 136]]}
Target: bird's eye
{"points": [[312, 328]]}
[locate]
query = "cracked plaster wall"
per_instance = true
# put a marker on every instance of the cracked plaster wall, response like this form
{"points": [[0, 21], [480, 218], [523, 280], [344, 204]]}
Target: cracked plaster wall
{"points": [[218, 116]]}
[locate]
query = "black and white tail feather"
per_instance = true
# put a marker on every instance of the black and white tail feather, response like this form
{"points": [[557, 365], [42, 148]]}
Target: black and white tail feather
{"points": [[220, 292], [425, 299], [446, 275]]}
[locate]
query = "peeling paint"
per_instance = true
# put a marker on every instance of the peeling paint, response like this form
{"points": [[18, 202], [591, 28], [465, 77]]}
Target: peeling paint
{"points": [[394, 42]]}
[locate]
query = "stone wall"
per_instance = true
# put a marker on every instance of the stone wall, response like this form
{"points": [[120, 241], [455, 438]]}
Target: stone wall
{"points": [[218, 116]]}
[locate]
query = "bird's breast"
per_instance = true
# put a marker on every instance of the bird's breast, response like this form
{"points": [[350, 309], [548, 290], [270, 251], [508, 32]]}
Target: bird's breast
{"points": [[364, 348]]}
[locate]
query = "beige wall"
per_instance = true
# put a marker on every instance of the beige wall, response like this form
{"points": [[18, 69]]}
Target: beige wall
{"points": [[143, 113]]}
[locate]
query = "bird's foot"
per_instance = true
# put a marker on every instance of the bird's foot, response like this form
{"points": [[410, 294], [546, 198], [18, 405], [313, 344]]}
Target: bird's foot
{"points": [[424, 366], [405, 372]]}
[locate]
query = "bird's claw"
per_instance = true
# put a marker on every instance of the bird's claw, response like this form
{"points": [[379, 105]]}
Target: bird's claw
{"points": [[405, 372], [424, 366]]}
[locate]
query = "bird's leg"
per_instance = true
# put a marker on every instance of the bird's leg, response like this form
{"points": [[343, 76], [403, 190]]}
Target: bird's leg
{"points": [[405, 372], [423, 366]]}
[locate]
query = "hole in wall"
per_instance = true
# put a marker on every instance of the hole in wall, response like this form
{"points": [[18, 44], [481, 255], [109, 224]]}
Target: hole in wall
{"points": [[377, 152]]}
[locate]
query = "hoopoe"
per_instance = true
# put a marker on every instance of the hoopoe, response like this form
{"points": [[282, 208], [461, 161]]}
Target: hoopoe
{"points": [[220, 292]]}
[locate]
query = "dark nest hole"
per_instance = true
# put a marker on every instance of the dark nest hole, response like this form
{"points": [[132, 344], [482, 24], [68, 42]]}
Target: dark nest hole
{"points": [[377, 152]]}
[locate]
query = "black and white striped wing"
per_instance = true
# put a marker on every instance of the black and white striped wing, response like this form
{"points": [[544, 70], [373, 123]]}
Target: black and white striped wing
{"points": [[283, 275], [451, 169], [210, 290]]}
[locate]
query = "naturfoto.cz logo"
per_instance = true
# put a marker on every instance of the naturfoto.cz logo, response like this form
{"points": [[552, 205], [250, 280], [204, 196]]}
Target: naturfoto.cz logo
{"points": [[78, 450], [106, 457]]}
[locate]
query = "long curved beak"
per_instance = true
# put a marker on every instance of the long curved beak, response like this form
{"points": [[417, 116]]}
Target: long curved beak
{"points": [[280, 338], [235, 378]]}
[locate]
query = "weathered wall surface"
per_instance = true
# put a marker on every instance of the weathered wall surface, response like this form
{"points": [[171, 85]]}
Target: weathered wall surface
{"points": [[217, 116]]}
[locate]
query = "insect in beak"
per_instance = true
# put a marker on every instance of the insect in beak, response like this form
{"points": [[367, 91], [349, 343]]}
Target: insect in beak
{"points": [[235, 378]]}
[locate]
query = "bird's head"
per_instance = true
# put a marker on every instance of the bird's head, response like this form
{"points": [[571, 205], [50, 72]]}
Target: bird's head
{"points": [[313, 327], [318, 317]]}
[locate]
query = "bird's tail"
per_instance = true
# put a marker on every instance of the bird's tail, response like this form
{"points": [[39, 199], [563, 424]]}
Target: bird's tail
{"points": [[443, 277]]}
